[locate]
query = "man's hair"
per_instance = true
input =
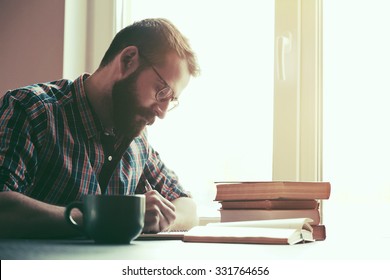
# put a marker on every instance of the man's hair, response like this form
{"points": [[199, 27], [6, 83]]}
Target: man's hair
{"points": [[154, 38]]}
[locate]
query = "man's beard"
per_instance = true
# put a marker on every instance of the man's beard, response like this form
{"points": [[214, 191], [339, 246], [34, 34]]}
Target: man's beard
{"points": [[129, 117]]}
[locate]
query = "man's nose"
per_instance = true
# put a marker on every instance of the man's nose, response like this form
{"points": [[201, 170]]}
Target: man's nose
{"points": [[161, 109]]}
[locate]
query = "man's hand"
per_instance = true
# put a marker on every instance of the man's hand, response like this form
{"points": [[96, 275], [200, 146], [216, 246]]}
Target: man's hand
{"points": [[159, 214]]}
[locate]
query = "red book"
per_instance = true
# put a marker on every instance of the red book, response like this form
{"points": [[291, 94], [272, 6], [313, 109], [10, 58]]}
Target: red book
{"points": [[227, 191], [235, 215]]}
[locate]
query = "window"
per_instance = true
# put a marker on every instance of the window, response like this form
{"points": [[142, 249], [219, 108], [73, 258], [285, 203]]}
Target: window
{"points": [[222, 129], [356, 87]]}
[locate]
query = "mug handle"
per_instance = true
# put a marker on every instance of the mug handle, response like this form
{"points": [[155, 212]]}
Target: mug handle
{"points": [[68, 216]]}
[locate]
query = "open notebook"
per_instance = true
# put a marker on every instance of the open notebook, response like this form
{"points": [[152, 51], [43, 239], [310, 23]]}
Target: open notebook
{"points": [[281, 231]]}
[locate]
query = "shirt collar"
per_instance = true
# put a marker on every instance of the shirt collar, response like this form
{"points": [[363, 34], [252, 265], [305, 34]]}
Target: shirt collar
{"points": [[90, 120]]}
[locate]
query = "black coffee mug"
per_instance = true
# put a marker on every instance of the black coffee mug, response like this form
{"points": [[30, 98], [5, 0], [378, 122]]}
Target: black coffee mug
{"points": [[110, 218]]}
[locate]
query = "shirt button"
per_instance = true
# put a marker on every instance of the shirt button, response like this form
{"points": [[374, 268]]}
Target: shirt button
{"points": [[109, 158]]}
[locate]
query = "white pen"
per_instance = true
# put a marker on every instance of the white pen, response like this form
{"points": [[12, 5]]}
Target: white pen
{"points": [[148, 187]]}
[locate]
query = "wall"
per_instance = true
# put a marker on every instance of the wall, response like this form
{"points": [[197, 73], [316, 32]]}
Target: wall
{"points": [[31, 42], [89, 29]]}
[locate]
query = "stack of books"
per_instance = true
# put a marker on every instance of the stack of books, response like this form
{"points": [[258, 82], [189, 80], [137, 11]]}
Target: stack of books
{"points": [[254, 201]]}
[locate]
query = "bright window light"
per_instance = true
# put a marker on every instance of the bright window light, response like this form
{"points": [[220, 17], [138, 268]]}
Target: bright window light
{"points": [[223, 128]]}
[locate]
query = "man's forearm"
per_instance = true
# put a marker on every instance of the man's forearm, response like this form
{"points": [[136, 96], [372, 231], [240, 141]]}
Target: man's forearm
{"points": [[24, 217], [186, 216]]}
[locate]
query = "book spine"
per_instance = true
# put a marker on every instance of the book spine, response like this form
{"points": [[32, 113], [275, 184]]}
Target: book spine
{"points": [[319, 232]]}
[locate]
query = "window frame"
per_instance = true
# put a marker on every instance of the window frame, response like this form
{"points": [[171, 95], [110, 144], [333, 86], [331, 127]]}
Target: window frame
{"points": [[297, 148]]}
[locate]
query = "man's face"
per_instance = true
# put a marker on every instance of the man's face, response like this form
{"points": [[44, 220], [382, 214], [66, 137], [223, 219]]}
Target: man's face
{"points": [[130, 117], [134, 97]]}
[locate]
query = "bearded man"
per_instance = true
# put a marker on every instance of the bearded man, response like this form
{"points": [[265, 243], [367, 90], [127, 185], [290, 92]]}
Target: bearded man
{"points": [[65, 139]]}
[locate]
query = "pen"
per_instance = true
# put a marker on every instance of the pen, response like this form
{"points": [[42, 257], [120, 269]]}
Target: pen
{"points": [[148, 187]]}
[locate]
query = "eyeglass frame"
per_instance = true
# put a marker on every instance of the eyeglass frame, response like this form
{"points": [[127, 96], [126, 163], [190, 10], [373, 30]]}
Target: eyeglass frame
{"points": [[173, 101]]}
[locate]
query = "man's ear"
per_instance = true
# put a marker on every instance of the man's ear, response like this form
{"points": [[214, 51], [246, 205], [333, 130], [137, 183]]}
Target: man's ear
{"points": [[129, 60]]}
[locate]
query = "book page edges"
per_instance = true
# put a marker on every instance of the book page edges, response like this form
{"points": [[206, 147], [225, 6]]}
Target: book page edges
{"points": [[298, 223], [246, 235]]}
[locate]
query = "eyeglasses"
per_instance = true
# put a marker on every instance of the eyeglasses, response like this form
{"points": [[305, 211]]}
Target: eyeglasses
{"points": [[166, 93]]}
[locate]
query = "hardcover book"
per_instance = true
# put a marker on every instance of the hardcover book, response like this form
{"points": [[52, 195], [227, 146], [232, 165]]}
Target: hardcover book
{"points": [[259, 214], [227, 191]]}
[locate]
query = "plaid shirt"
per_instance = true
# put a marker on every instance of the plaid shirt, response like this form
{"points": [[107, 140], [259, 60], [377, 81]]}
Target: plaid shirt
{"points": [[50, 148]]}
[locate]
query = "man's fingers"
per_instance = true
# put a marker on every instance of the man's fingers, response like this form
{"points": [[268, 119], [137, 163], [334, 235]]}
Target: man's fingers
{"points": [[160, 212], [164, 200], [166, 208], [155, 221], [159, 199]]}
